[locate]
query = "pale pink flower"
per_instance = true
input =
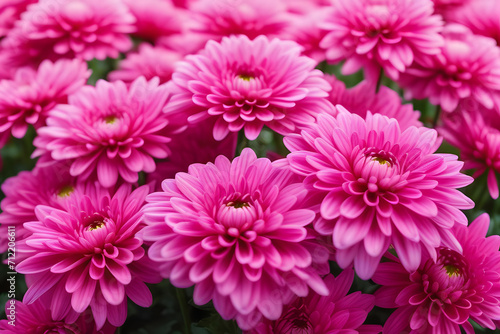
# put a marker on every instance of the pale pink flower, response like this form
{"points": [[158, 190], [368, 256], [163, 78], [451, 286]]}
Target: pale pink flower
{"points": [[444, 293], [362, 99], [10, 12], [50, 185], [339, 312], [380, 34], [36, 318], [247, 84], [70, 29], [155, 18], [194, 145], [475, 131], [237, 232], [468, 67], [218, 18], [88, 255], [377, 185], [480, 16], [150, 61], [109, 131], [31, 94]]}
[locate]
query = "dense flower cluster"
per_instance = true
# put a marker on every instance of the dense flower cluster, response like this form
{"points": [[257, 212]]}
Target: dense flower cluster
{"points": [[255, 166]]}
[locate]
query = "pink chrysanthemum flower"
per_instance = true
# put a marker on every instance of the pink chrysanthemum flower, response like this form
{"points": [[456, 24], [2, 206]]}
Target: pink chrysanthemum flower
{"points": [[50, 185], [109, 130], [468, 67], [476, 132], [443, 294], [378, 186], [480, 16], [339, 312], [88, 254], [194, 145], [36, 318], [361, 99], [236, 231], [31, 94], [381, 34], [70, 29], [155, 18], [219, 18], [10, 11], [248, 84], [149, 61]]}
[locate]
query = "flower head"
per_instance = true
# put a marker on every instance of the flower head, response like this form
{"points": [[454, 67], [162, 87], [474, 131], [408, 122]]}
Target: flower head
{"points": [[50, 185], [377, 185], [150, 61], [110, 131], [87, 254], [476, 132], [236, 231], [31, 94], [247, 84], [70, 29], [36, 318], [317, 314], [443, 294], [361, 99], [375, 34], [468, 67]]}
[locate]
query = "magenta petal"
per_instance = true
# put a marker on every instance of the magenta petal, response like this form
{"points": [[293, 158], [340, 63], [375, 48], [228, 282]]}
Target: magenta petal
{"points": [[139, 293], [81, 298], [112, 290]]}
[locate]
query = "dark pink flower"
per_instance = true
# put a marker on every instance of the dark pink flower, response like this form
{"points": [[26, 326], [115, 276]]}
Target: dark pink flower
{"points": [[468, 67], [155, 18], [444, 293], [70, 29], [10, 11], [339, 312], [36, 318], [236, 231], [218, 18], [31, 94], [247, 84], [362, 99], [381, 34], [475, 131], [377, 185], [88, 255], [110, 131], [149, 61], [50, 186]]}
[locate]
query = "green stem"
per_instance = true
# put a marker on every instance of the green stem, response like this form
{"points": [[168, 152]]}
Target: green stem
{"points": [[181, 298], [436, 116]]}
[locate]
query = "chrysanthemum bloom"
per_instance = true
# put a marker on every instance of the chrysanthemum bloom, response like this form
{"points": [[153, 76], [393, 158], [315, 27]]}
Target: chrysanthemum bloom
{"points": [[378, 186], [149, 61], [361, 99], [248, 84], [480, 16], [83, 29], [26, 99], [10, 11], [36, 318], [88, 254], [443, 294], [476, 132], [339, 312], [468, 67], [109, 130], [194, 145], [381, 34], [50, 185], [219, 18], [236, 231], [155, 18]]}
